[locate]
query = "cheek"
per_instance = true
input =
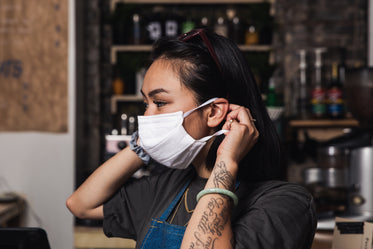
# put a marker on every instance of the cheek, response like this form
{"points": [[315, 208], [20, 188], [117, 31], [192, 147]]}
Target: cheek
{"points": [[195, 126]]}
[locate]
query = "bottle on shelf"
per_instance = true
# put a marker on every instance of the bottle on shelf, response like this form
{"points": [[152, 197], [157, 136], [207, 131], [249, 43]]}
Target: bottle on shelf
{"points": [[230, 13], [342, 66], [251, 34], [188, 24], [136, 29], [221, 26], [318, 95], [124, 124], [273, 102], [272, 98], [171, 24], [154, 24], [234, 25], [342, 77], [335, 94], [204, 23], [118, 84], [131, 125], [302, 81], [236, 31]]}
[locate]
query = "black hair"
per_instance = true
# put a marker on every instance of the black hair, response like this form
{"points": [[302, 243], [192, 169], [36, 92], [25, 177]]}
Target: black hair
{"points": [[235, 82]]}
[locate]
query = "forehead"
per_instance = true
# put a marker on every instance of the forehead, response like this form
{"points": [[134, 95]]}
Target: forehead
{"points": [[163, 74], [163, 68]]}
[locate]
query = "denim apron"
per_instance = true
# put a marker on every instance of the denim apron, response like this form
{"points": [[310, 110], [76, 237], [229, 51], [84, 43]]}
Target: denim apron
{"points": [[162, 234]]}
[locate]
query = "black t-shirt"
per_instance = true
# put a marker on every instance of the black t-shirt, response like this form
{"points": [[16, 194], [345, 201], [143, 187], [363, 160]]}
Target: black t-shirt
{"points": [[271, 214]]}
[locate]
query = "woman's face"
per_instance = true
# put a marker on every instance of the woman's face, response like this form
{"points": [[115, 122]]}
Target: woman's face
{"points": [[164, 93]]}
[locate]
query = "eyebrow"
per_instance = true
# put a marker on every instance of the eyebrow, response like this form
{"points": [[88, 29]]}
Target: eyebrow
{"points": [[155, 91]]}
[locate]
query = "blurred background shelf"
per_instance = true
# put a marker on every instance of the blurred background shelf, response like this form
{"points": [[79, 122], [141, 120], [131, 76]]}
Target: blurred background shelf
{"points": [[114, 2], [324, 123], [147, 48], [124, 98]]}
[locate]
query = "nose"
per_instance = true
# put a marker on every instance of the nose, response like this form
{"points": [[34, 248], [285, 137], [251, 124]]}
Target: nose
{"points": [[149, 111]]}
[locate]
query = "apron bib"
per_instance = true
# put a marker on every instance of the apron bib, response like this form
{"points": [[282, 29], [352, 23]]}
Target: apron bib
{"points": [[162, 234]]}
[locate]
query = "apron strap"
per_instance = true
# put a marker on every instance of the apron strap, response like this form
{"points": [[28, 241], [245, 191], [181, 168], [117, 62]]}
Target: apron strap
{"points": [[174, 202]]}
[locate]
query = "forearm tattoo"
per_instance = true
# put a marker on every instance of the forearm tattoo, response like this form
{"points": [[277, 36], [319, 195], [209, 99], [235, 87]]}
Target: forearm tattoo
{"points": [[211, 224], [222, 177], [217, 213]]}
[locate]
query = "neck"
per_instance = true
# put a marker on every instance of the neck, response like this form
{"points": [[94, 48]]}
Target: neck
{"points": [[199, 162], [203, 172]]}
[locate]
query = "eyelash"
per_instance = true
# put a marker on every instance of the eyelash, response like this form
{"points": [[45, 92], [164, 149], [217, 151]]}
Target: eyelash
{"points": [[159, 104]]}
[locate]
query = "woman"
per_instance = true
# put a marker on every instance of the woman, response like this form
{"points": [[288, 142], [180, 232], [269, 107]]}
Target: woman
{"points": [[206, 123]]}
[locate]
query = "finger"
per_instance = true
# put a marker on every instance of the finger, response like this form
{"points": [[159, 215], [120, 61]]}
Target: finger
{"points": [[233, 107], [227, 124], [252, 120], [240, 114]]}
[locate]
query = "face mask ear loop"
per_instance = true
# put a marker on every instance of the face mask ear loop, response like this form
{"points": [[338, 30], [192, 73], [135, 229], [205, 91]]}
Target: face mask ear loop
{"points": [[202, 105], [204, 139]]}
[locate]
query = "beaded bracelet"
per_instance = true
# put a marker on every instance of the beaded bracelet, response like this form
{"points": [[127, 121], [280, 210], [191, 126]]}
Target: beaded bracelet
{"points": [[228, 193]]}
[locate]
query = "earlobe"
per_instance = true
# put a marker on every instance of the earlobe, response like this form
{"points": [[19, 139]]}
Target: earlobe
{"points": [[218, 112]]}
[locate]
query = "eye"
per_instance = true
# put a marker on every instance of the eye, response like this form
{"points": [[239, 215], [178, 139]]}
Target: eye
{"points": [[146, 105], [159, 103]]}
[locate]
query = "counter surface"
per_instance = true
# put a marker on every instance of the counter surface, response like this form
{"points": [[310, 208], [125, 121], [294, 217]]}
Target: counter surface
{"points": [[323, 240], [93, 237]]}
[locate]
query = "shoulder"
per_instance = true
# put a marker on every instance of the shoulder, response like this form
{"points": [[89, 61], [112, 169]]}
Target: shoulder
{"points": [[273, 195], [148, 188], [281, 211], [160, 187], [273, 189], [129, 211]]}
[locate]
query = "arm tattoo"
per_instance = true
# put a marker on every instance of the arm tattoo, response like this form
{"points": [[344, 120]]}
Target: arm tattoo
{"points": [[212, 223], [217, 212], [222, 177]]}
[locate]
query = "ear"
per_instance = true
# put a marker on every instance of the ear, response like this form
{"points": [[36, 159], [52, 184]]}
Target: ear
{"points": [[218, 112]]}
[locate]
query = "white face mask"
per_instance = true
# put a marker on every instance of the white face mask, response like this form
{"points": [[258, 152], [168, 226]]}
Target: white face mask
{"points": [[164, 138]]}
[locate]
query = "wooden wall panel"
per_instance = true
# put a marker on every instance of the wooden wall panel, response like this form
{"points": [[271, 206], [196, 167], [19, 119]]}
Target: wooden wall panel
{"points": [[33, 65]]}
